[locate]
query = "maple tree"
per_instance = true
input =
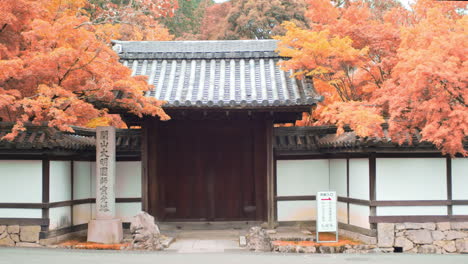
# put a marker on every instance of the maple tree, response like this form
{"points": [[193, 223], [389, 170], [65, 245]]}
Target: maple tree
{"points": [[130, 19], [251, 19], [55, 69], [376, 62]]}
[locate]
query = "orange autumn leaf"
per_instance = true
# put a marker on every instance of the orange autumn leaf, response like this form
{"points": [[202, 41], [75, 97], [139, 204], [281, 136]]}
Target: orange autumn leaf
{"points": [[376, 62]]}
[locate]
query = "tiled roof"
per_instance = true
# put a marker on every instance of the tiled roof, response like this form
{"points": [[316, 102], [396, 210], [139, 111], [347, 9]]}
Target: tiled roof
{"points": [[222, 74], [324, 138], [47, 138]]}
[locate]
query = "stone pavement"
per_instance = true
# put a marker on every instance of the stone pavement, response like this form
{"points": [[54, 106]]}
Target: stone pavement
{"points": [[52, 256], [205, 241]]}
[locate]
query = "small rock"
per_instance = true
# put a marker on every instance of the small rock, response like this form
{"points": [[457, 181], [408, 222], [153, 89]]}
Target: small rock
{"points": [[7, 241], [385, 234], [427, 249], [13, 229], [400, 226], [25, 244], [403, 243], [258, 239], [2, 228], [448, 246], [443, 226], [421, 236], [3, 235], [15, 237], [438, 235], [416, 226], [451, 235], [461, 245], [459, 225], [306, 232], [271, 231], [382, 250], [30, 233], [145, 233], [242, 241], [326, 250], [310, 250]]}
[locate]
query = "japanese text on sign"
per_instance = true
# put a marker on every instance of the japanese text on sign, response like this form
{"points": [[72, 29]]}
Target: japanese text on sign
{"points": [[326, 212]]}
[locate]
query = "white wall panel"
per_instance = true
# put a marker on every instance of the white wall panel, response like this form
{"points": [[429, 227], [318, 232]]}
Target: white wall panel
{"points": [[128, 179], [460, 209], [411, 179], [297, 210], [60, 181], [302, 177], [20, 213], [338, 176], [359, 215], [82, 180], [81, 214], [411, 210], [60, 217], [359, 178], [342, 212], [21, 181], [460, 179], [126, 211]]}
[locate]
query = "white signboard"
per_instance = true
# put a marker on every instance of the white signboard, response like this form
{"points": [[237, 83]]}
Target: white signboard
{"points": [[326, 212]]}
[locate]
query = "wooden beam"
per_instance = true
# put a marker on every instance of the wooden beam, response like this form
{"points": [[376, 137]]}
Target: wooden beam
{"points": [[417, 218], [347, 190], [296, 198], [24, 221], [411, 203]]}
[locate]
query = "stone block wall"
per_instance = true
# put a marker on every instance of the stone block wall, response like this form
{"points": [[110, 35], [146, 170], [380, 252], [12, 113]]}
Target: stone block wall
{"points": [[19, 236], [440, 238]]}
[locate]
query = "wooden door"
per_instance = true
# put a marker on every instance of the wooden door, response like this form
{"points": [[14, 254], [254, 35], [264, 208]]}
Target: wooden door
{"points": [[207, 171]]}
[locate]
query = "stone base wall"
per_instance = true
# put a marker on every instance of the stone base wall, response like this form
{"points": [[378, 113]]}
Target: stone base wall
{"points": [[19, 236], [439, 238]]}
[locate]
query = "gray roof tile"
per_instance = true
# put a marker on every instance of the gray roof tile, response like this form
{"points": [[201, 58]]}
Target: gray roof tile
{"points": [[222, 74]]}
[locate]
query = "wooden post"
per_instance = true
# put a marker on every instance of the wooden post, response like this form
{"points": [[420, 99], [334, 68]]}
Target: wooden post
{"points": [[270, 175], [372, 188], [144, 166], [45, 190]]}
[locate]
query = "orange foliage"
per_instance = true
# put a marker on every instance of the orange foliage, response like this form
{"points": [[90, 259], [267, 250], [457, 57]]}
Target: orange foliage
{"points": [[376, 62], [54, 68]]}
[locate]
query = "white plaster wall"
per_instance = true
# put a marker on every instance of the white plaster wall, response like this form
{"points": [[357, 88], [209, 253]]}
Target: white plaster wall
{"points": [[359, 178], [301, 177], [342, 212], [81, 214], [21, 182], [338, 176], [411, 210], [359, 215], [297, 210], [126, 211], [460, 179], [460, 209], [60, 181], [20, 213], [82, 180], [128, 179], [411, 179], [60, 217]]}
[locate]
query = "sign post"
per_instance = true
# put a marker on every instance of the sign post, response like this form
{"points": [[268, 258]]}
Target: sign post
{"points": [[326, 214], [106, 228]]}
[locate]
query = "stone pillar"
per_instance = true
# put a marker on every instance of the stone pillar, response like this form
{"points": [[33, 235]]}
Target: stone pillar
{"points": [[106, 228]]}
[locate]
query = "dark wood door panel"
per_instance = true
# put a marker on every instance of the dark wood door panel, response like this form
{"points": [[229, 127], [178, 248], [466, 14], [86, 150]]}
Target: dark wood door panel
{"points": [[207, 171]]}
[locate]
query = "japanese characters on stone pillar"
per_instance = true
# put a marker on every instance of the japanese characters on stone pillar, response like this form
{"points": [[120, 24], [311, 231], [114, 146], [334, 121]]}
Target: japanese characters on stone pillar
{"points": [[106, 228], [105, 173]]}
